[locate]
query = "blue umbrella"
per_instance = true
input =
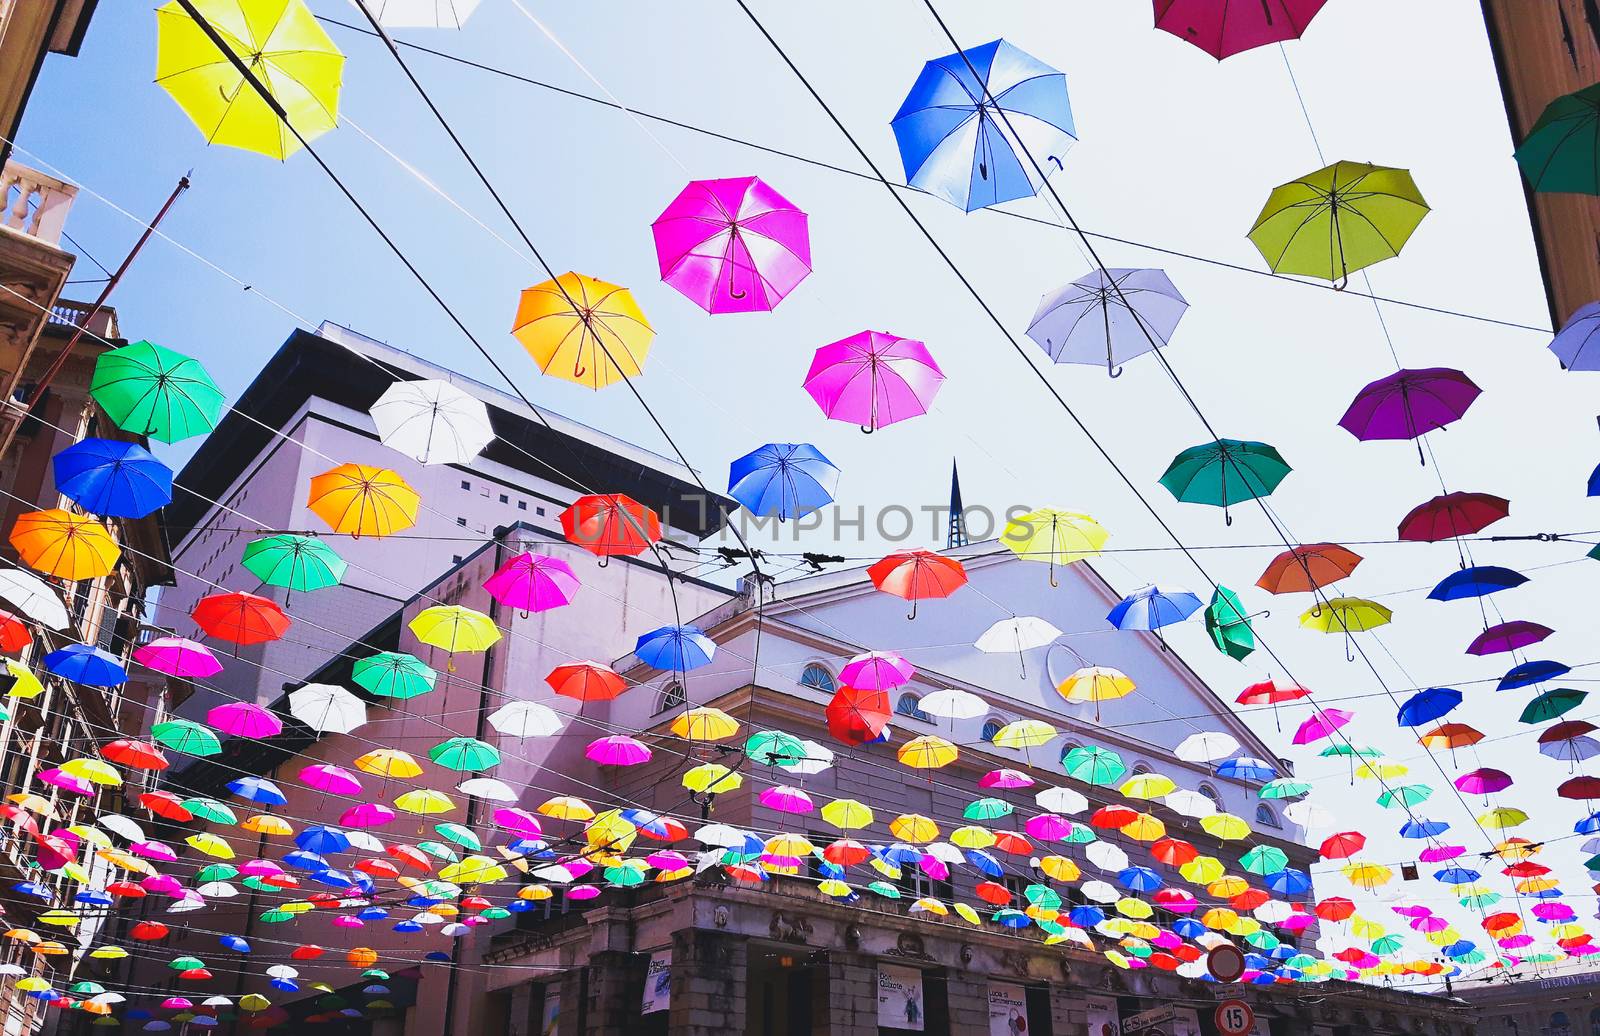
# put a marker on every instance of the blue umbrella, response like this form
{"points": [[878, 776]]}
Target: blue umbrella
{"points": [[1283, 952], [1588, 825], [1139, 879], [1571, 749], [1457, 875], [33, 888], [1257, 961], [1480, 581], [87, 665], [409, 926], [519, 906], [234, 943], [437, 957], [1288, 882], [1086, 916], [1459, 948], [304, 860], [898, 854], [107, 477], [257, 789], [1427, 706], [92, 897], [783, 478], [1151, 607], [1594, 482], [953, 132], [1419, 828], [1529, 673], [320, 839], [984, 862], [332, 878], [1245, 768], [376, 913], [675, 648]]}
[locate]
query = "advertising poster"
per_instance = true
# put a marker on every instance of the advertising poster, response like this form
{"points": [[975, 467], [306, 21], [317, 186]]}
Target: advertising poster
{"points": [[1185, 1022], [900, 1003], [1008, 1009], [658, 983], [1103, 1017], [551, 1014]]}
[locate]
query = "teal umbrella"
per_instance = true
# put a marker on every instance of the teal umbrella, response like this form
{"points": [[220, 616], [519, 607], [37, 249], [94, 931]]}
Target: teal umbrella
{"points": [[1224, 472], [150, 390], [465, 754], [293, 562], [775, 748], [1561, 153], [1094, 765], [187, 736], [1264, 859], [393, 674], [1229, 625]]}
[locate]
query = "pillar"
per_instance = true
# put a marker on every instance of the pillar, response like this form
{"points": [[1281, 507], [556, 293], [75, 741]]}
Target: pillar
{"points": [[967, 995], [1067, 1016], [709, 974], [851, 1007], [616, 987]]}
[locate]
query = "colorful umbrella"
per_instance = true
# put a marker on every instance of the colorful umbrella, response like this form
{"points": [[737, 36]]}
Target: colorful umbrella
{"points": [[63, 544], [1508, 636], [85, 664], [1223, 28], [240, 617], [1229, 626], [294, 562], [984, 126], [432, 421], [1308, 567], [363, 501], [1224, 472], [1552, 705], [618, 750], [915, 575], [610, 524], [244, 719], [452, 628], [14, 635], [675, 648], [1560, 152], [1478, 581], [186, 736], [533, 583], [586, 681], [1337, 220], [1346, 615], [1452, 515], [733, 245], [873, 379], [1571, 344], [1427, 705], [784, 479], [393, 674], [1054, 537], [1152, 607], [150, 390], [464, 753], [704, 724], [1095, 684], [1409, 403], [1094, 765], [327, 708], [857, 715], [1108, 317], [1019, 634], [583, 330], [119, 479]]}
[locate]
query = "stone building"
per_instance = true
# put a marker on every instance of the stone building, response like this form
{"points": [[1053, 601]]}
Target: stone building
{"points": [[1552, 1005]]}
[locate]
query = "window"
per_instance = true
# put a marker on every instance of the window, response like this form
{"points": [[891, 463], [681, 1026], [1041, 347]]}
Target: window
{"points": [[817, 677], [461, 522], [504, 498], [1266, 817], [539, 511], [907, 706], [991, 727], [1140, 768], [522, 505], [670, 698], [465, 484], [1211, 793]]}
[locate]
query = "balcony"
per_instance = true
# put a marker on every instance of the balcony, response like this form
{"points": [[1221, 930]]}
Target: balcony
{"points": [[35, 204]]}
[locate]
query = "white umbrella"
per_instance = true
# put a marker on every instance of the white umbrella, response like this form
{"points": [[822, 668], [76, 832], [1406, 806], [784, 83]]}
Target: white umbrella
{"points": [[34, 598], [818, 758], [953, 704], [218, 890], [1062, 800], [118, 824], [364, 841], [487, 788], [1207, 746], [218, 1001], [432, 421], [1308, 815], [944, 852], [1019, 634], [190, 900], [1189, 803], [422, 14], [721, 834], [1273, 911], [283, 971], [1106, 856], [525, 719], [1100, 891], [327, 709]]}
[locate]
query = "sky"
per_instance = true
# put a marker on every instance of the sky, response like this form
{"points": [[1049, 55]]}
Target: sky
{"points": [[1175, 150]]}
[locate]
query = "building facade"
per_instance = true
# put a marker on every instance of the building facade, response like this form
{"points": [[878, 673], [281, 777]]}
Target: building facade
{"points": [[1554, 1005]]}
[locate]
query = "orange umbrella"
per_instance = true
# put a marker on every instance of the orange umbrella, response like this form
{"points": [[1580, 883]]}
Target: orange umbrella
{"points": [[586, 681], [610, 523], [1451, 736], [918, 574], [363, 501], [583, 330], [1308, 567], [63, 544]]}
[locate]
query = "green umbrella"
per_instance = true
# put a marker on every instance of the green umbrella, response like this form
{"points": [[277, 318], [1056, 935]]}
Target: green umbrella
{"points": [[1562, 152], [87, 988], [884, 889], [379, 973], [187, 736], [1081, 834], [1359, 751], [1338, 220], [433, 888], [1384, 945], [624, 877], [1263, 940], [1042, 896], [775, 748], [495, 913], [462, 836], [393, 674], [212, 810], [465, 754], [1264, 859], [1594, 552], [150, 390], [1284, 788], [1405, 795], [1224, 472], [216, 872], [1479, 900], [1551, 704], [186, 963], [259, 885], [294, 562], [987, 809], [438, 850], [1094, 765], [1229, 625], [1050, 927]]}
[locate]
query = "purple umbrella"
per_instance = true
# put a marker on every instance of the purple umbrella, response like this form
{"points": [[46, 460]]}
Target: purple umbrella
{"points": [[873, 379], [1409, 403], [732, 246], [1508, 636], [1577, 344], [1485, 781], [1108, 317]]}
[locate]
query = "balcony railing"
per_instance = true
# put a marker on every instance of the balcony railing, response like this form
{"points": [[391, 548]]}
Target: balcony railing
{"points": [[35, 204]]}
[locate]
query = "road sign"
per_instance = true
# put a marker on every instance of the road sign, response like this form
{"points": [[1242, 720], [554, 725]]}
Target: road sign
{"points": [[1225, 963], [1234, 1018], [1147, 1019]]}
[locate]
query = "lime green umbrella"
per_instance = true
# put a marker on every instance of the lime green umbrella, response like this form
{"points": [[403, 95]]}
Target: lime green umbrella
{"points": [[465, 754], [1338, 220], [462, 836], [87, 988], [1081, 834], [393, 674], [150, 390], [1264, 859], [294, 562], [1229, 625], [1094, 765], [212, 810], [187, 736], [1359, 751], [775, 748], [1562, 151], [1224, 472], [1553, 703], [1405, 795]]}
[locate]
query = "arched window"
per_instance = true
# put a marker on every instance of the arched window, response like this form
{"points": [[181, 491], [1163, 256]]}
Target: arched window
{"points": [[1068, 748], [1594, 1021], [1266, 817], [817, 677], [1211, 793], [671, 697], [907, 705], [1559, 1025], [991, 727], [1139, 768]]}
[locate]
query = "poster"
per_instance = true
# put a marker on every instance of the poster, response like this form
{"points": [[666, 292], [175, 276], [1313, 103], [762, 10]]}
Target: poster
{"points": [[658, 983], [551, 1013], [1008, 1009], [1102, 1014], [900, 1003], [1185, 1022]]}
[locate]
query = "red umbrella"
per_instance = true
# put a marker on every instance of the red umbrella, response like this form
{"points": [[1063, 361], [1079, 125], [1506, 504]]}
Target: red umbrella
{"points": [[1174, 852], [1249, 899], [240, 617], [918, 574], [605, 524], [411, 856], [1527, 868], [1307, 567], [378, 868], [1451, 515], [586, 681], [1334, 908], [1566, 731], [1582, 788], [165, 804], [1271, 692], [1013, 843], [310, 951], [138, 754], [1223, 28], [846, 852], [14, 635], [1114, 818], [993, 892], [1343, 845], [149, 931], [856, 716]]}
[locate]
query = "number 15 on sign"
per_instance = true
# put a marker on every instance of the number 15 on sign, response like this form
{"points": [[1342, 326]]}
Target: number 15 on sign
{"points": [[1234, 1018]]}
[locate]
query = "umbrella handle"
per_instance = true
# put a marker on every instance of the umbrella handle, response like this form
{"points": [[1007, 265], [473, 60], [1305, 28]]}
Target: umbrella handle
{"points": [[1115, 372], [605, 559], [913, 614], [1349, 655], [867, 429]]}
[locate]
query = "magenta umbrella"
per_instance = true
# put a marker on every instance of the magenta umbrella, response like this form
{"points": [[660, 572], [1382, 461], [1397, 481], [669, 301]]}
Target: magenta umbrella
{"points": [[1441, 853], [877, 671], [244, 719], [1409, 403], [1005, 778], [1223, 28], [786, 799], [873, 379], [154, 851], [178, 656], [533, 583], [732, 246], [1484, 781], [335, 780], [56, 777], [1048, 826], [367, 814], [260, 869], [518, 821], [617, 750], [1322, 725], [1508, 636]]}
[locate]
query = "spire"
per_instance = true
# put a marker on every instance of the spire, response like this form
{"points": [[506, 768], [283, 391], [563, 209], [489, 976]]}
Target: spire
{"points": [[958, 528]]}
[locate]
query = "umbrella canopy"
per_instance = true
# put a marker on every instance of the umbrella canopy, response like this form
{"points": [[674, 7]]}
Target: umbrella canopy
{"points": [[1206, 746], [240, 617], [1450, 736], [1054, 537], [984, 126], [524, 719], [857, 715], [63, 544], [393, 674], [733, 245], [1508, 636], [784, 479], [1451, 515], [244, 719], [186, 736], [873, 379], [1427, 705], [1409, 403], [1337, 220], [1552, 705], [464, 753], [1483, 781], [1228, 625], [33, 598], [1308, 567], [1152, 607], [608, 524], [1224, 472], [675, 648], [1095, 684], [533, 583], [1561, 153], [85, 664], [422, 14], [1108, 317], [586, 681], [1528, 673], [150, 390], [1223, 28], [294, 562], [432, 421], [363, 501], [1094, 765], [877, 671], [1019, 634], [1574, 343], [583, 330], [452, 628], [915, 575], [327, 709], [1346, 615], [118, 479], [1479, 581], [953, 703]]}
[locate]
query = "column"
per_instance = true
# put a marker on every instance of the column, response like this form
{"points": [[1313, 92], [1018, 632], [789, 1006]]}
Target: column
{"points": [[616, 986], [968, 997], [1067, 1016], [849, 1005], [709, 973]]}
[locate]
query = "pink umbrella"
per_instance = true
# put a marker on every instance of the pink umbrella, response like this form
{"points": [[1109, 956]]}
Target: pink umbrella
{"points": [[1554, 912], [367, 814], [1048, 826], [154, 851], [1412, 910], [579, 867], [873, 379], [877, 671], [582, 892], [1484, 781], [177, 1003], [617, 750], [1297, 922], [244, 719], [1582, 950], [162, 884], [667, 860], [1223, 28], [533, 583], [1516, 942], [260, 869], [1005, 779], [1167, 940], [347, 921], [518, 821], [786, 799], [1322, 725], [55, 777], [934, 867], [178, 656], [732, 246], [1429, 924], [1441, 853], [1508, 636], [335, 780]]}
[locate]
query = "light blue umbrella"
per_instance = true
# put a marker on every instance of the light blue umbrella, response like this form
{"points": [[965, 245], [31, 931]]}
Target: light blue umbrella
{"points": [[675, 648], [1152, 607], [1245, 768], [968, 138], [785, 479]]}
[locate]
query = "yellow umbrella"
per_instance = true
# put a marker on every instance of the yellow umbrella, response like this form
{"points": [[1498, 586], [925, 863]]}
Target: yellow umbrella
{"points": [[789, 845], [1148, 786], [473, 870], [63, 544], [705, 724], [108, 953], [1024, 733], [834, 887], [583, 330], [1136, 908], [1382, 771], [929, 905], [33, 984], [1054, 537], [1532, 886], [1225, 826], [972, 837], [22, 935], [1515, 849], [1145, 828], [388, 762], [1243, 926], [847, 814], [1228, 886], [453, 628], [1097, 684], [1346, 615], [927, 752], [95, 771], [33, 803], [1362, 928], [1060, 868], [968, 914], [254, 1002], [535, 893], [1502, 817], [611, 830], [282, 45], [93, 835], [1201, 869], [913, 827], [565, 807], [211, 845], [121, 859], [1367, 875], [711, 777], [267, 824], [1218, 917], [27, 685], [425, 802], [363, 501]]}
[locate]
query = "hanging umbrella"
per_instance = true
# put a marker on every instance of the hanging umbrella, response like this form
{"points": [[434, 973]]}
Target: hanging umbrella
{"points": [[586, 681], [953, 703], [34, 598], [1572, 343], [240, 617], [150, 390], [785, 479], [1450, 736], [63, 544], [915, 575], [1247, 768], [775, 748], [1508, 636], [388, 762], [877, 671], [1224, 472], [1529, 673], [1559, 153], [1552, 705], [1223, 28], [525, 719], [1479, 581], [533, 583], [618, 750], [1409, 403], [1452, 515], [1427, 705], [14, 635], [1229, 626], [857, 715], [1322, 725], [452, 628], [1025, 733], [1095, 684], [1109, 316], [464, 753], [327, 709], [675, 648], [88, 665], [1094, 765], [432, 421], [1054, 537], [1308, 567], [1337, 220], [186, 736], [610, 524], [293, 562], [704, 724], [244, 719], [107, 477], [978, 127], [1152, 607], [732, 245], [873, 379], [1019, 634], [422, 14], [1206, 746], [363, 501], [583, 330], [1346, 615], [393, 674]]}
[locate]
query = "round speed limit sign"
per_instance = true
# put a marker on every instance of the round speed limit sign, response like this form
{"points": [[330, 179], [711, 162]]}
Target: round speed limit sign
{"points": [[1234, 1018]]}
